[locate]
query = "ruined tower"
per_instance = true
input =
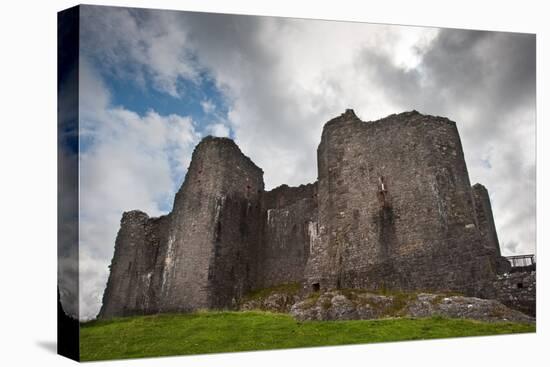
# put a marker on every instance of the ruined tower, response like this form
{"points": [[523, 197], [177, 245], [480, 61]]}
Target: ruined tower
{"points": [[396, 209], [392, 209], [198, 256], [214, 223]]}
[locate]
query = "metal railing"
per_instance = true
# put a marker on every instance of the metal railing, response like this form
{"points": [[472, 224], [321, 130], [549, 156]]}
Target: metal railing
{"points": [[520, 261]]}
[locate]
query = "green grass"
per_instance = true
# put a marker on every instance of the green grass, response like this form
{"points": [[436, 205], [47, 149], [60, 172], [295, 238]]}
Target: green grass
{"points": [[216, 332]]}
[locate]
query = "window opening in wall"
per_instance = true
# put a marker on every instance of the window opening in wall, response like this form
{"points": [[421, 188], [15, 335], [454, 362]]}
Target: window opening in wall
{"points": [[382, 189], [382, 184], [316, 287], [520, 285]]}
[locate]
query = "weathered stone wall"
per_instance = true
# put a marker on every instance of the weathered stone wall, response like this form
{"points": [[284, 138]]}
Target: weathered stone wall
{"points": [[200, 255], [129, 290], [486, 225], [157, 239], [484, 216], [396, 208], [215, 221], [289, 223], [517, 290]]}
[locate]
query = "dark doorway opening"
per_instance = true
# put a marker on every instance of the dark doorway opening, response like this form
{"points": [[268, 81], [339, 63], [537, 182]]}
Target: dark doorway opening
{"points": [[316, 287]]}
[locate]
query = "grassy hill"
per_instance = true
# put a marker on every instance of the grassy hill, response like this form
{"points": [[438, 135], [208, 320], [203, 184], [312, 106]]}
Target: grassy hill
{"points": [[216, 332]]}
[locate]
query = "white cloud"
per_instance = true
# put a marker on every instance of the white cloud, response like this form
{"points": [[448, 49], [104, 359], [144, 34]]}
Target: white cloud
{"points": [[219, 130], [128, 162], [131, 46], [208, 106]]}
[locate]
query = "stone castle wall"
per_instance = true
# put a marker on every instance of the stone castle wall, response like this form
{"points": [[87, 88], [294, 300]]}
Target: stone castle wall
{"points": [[486, 225], [484, 216], [392, 209], [396, 208], [202, 256], [518, 290], [214, 223], [131, 287], [289, 224]]}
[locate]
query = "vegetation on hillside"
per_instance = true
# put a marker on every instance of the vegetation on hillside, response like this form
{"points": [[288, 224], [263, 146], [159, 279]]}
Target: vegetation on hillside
{"points": [[217, 332]]}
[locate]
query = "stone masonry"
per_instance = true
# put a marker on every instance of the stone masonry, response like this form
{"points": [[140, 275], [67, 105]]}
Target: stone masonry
{"points": [[392, 209], [517, 290]]}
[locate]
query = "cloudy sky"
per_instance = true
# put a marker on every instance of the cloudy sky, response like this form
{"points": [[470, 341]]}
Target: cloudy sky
{"points": [[153, 83]]}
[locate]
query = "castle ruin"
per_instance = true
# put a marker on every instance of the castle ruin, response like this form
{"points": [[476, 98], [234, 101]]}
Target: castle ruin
{"points": [[392, 209]]}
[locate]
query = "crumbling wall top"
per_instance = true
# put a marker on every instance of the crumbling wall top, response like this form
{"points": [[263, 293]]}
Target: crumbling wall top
{"points": [[286, 195], [134, 214], [212, 142]]}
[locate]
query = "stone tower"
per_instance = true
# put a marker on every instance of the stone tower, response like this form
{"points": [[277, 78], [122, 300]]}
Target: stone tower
{"points": [[396, 209], [198, 256], [214, 225]]}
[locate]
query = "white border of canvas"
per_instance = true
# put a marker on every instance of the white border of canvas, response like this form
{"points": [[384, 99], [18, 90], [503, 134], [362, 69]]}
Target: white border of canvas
{"points": [[28, 194]]}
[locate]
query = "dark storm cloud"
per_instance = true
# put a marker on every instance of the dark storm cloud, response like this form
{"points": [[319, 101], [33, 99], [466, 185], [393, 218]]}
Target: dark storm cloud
{"points": [[492, 73], [495, 71]]}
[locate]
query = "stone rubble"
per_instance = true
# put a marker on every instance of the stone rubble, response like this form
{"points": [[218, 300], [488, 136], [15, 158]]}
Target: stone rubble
{"points": [[360, 305]]}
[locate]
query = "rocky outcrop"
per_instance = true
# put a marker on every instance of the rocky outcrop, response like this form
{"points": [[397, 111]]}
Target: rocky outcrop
{"points": [[361, 305], [428, 305]]}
